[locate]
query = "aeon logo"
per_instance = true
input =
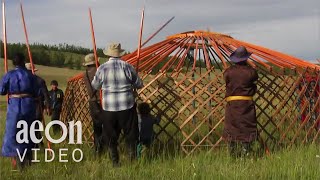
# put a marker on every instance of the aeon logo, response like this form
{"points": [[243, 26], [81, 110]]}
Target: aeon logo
{"points": [[37, 126]]}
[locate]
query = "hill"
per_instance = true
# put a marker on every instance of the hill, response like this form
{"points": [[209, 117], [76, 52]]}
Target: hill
{"points": [[47, 73], [62, 55]]}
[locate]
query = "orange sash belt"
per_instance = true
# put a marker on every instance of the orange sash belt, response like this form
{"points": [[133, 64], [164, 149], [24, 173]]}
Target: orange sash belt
{"points": [[237, 98]]}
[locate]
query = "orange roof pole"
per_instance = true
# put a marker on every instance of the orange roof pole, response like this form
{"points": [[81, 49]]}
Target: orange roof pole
{"points": [[206, 55], [182, 60], [234, 45], [281, 55], [178, 54], [131, 55], [157, 58], [140, 39], [27, 39], [147, 51], [154, 34], [215, 47], [93, 40], [4, 30], [165, 49], [94, 48], [195, 54], [29, 53]]}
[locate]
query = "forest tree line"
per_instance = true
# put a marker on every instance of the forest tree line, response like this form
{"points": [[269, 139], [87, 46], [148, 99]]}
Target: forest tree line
{"points": [[61, 55], [71, 56]]}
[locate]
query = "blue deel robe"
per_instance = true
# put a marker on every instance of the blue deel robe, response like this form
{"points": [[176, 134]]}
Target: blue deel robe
{"points": [[18, 81]]}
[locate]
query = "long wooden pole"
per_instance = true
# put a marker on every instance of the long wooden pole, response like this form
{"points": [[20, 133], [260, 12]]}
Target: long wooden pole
{"points": [[93, 39], [94, 48], [27, 39], [130, 56], [30, 56], [140, 40], [4, 30], [154, 34]]}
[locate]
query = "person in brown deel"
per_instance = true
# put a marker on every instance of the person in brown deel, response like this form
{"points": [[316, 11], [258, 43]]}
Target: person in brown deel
{"points": [[42, 102], [240, 125], [94, 102]]}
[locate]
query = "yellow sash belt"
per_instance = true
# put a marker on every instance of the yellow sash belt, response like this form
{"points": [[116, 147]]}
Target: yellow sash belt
{"points": [[235, 98]]}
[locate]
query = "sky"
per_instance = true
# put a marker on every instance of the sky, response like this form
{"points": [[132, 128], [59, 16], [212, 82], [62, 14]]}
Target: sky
{"points": [[288, 26]]}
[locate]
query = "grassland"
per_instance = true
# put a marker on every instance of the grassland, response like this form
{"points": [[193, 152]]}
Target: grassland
{"points": [[296, 163]]}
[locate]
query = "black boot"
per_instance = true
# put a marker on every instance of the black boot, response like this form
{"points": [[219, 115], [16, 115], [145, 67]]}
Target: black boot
{"points": [[132, 152], [114, 156]]}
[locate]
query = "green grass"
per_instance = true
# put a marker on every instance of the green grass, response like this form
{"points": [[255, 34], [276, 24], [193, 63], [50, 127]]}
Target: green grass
{"points": [[298, 163]]}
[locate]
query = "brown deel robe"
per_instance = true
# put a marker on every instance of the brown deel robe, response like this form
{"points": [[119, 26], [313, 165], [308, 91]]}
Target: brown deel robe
{"points": [[88, 77], [240, 116]]}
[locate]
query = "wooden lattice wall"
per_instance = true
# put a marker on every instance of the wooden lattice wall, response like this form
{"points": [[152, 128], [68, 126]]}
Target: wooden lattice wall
{"points": [[192, 109], [192, 102]]}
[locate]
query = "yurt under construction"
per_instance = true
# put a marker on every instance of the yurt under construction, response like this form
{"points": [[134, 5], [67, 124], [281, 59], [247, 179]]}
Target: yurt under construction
{"points": [[183, 81]]}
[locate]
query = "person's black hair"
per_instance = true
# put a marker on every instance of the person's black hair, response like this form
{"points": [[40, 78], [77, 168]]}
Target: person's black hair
{"points": [[243, 63], [91, 65], [19, 60], [144, 108], [54, 82]]}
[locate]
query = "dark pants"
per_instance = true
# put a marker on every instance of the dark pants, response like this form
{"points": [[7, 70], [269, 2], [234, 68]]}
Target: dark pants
{"points": [[146, 142], [21, 165], [240, 149], [114, 122], [56, 116], [39, 117], [97, 116]]}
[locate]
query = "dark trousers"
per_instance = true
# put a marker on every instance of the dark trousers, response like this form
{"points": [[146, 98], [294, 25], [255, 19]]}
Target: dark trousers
{"points": [[39, 117], [97, 116], [56, 116], [240, 149], [146, 142], [25, 162], [114, 122]]}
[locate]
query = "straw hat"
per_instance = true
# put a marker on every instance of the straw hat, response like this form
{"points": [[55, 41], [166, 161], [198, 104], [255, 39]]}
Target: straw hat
{"points": [[29, 67], [113, 50], [240, 54], [89, 60]]}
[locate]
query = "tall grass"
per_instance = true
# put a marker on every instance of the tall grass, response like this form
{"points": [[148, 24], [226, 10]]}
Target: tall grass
{"points": [[298, 163]]}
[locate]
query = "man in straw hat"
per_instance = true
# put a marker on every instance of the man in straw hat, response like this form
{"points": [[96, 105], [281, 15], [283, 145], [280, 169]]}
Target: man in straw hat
{"points": [[94, 102], [43, 101], [240, 128], [118, 80]]}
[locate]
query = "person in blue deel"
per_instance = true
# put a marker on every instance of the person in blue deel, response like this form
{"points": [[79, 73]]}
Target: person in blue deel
{"points": [[21, 87]]}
